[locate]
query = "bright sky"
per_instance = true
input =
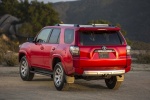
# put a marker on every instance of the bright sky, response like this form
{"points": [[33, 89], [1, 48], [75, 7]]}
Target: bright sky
{"points": [[45, 1]]}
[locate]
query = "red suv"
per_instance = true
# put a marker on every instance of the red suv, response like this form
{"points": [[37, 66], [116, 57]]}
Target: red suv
{"points": [[70, 51]]}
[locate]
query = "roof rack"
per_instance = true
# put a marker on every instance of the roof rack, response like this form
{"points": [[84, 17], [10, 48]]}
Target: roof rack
{"points": [[72, 25], [101, 25], [78, 25]]}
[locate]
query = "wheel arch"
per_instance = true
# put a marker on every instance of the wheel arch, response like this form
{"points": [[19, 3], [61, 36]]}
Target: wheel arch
{"points": [[21, 54], [57, 59]]}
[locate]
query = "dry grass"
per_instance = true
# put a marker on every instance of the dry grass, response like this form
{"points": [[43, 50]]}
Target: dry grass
{"points": [[7, 51], [141, 56], [11, 59]]}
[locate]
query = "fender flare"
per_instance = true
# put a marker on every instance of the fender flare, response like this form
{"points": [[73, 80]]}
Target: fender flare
{"points": [[62, 61], [26, 54]]}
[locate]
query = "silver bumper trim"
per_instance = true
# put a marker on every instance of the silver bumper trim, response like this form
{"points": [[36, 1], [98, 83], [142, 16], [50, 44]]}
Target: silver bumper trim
{"points": [[104, 73]]}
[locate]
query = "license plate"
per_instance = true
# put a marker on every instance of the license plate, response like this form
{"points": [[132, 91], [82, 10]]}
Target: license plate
{"points": [[104, 55]]}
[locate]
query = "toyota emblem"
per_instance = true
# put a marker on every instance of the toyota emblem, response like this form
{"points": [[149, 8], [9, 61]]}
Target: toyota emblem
{"points": [[104, 48]]}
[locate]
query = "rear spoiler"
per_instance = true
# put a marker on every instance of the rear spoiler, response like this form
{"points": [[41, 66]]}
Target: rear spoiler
{"points": [[99, 29]]}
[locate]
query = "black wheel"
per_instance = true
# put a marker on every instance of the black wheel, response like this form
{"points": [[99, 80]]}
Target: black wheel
{"points": [[24, 70], [113, 83], [59, 77]]}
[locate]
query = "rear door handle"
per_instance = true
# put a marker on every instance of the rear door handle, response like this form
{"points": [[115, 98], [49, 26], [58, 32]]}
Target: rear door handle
{"points": [[42, 48], [53, 48]]}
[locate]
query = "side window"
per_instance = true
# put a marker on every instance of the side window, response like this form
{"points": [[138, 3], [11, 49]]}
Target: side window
{"points": [[69, 36], [43, 35], [54, 39]]}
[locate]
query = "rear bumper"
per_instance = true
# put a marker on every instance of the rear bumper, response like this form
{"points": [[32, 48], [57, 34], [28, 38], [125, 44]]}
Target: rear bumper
{"points": [[101, 71], [104, 66], [104, 73]]}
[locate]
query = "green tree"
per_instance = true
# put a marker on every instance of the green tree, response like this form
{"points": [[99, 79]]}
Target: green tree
{"points": [[38, 15], [99, 22], [26, 30], [9, 7], [34, 15]]}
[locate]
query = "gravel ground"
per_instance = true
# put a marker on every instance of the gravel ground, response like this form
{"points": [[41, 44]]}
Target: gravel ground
{"points": [[135, 87], [14, 70]]}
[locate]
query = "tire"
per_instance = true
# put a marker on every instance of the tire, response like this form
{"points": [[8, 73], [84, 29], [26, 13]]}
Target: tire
{"points": [[59, 77], [113, 83], [24, 70]]}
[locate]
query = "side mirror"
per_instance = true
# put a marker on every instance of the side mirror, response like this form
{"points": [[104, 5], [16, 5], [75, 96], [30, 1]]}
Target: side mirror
{"points": [[30, 39], [40, 41]]}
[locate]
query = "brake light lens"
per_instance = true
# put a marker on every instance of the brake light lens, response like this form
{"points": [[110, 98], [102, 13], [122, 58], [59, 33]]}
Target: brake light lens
{"points": [[74, 50], [128, 49]]}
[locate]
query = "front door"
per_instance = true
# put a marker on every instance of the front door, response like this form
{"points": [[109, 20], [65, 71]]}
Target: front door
{"points": [[38, 48]]}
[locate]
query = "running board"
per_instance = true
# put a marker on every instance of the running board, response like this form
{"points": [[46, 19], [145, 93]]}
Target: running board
{"points": [[41, 71]]}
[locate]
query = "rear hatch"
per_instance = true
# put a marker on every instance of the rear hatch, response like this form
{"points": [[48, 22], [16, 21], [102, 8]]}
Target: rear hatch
{"points": [[102, 50]]}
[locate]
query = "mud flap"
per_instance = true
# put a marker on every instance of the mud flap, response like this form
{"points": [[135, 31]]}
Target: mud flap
{"points": [[70, 79], [120, 78]]}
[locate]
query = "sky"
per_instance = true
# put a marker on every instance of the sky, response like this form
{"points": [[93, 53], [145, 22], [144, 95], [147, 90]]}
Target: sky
{"points": [[45, 1], [53, 1]]}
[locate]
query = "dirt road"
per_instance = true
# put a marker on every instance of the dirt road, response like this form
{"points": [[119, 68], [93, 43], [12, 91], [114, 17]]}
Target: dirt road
{"points": [[135, 87]]}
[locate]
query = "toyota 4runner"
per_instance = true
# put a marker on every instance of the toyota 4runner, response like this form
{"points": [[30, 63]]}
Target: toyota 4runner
{"points": [[70, 51]]}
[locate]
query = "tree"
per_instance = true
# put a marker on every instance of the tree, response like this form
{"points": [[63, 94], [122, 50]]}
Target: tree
{"points": [[26, 30], [39, 15], [99, 22], [34, 15], [9, 7]]}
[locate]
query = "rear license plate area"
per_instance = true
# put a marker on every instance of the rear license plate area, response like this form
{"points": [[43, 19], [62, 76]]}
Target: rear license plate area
{"points": [[103, 55]]}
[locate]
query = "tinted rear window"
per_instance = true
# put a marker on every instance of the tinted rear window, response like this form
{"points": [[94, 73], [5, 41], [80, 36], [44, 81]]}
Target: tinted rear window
{"points": [[100, 38], [69, 36]]}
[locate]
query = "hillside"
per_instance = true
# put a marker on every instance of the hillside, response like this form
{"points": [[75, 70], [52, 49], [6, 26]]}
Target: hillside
{"points": [[133, 15]]}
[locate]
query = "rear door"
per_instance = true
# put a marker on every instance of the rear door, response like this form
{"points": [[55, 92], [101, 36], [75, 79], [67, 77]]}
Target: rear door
{"points": [[51, 47], [102, 50]]}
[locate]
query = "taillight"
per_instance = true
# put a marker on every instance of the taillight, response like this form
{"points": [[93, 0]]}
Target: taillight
{"points": [[128, 49], [74, 50]]}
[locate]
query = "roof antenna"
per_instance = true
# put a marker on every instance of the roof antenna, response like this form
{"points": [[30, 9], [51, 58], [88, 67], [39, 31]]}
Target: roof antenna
{"points": [[94, 24], [61, 22]]}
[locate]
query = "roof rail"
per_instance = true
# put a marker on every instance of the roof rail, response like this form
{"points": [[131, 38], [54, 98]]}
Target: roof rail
{"points": [[78, 25], [100, 25], [65, 25]]}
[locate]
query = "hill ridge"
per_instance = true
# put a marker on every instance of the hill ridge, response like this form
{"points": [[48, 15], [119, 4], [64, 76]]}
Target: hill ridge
{"points": [[133, 15]]}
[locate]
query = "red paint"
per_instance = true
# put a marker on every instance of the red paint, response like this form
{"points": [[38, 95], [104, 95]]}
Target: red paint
{"points": [[43, 54]]}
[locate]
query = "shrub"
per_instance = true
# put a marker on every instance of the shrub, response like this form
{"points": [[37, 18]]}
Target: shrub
{"points": [[1, 58], [143, 58], [138, 45], [11, 59]]}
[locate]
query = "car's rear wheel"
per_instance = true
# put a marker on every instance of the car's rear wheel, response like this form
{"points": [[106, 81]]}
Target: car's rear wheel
{"points": [[24, 70], [59, 76], [113, 82]]}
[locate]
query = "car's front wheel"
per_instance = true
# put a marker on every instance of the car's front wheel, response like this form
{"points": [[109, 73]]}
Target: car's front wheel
{"points": [[59, 76], [114, 82], [24, 70]]}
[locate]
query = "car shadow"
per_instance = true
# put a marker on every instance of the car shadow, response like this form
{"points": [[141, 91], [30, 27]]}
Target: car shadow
{"points": [[77, 86], [86, 86], [43, 79]]}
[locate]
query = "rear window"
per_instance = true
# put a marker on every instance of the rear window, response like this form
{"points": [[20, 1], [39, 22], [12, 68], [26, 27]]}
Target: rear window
{"points": [[69, 36], [100, 38]]}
